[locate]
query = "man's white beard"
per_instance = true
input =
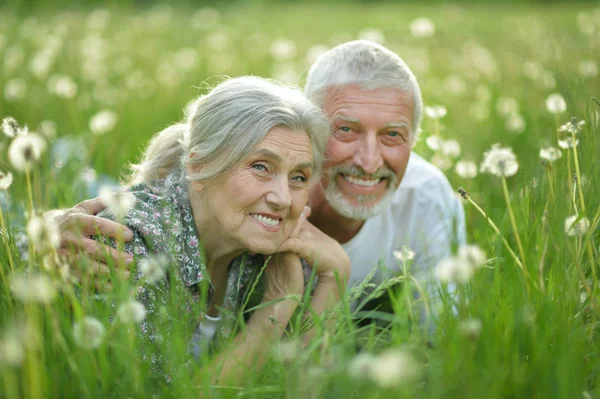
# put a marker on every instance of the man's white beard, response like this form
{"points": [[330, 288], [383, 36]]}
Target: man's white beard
{"points": [[357, 211]]}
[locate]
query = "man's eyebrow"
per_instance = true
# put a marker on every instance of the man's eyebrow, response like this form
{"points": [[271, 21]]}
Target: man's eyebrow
{"points": [[398, 124], [345, 118], [274, 156]]}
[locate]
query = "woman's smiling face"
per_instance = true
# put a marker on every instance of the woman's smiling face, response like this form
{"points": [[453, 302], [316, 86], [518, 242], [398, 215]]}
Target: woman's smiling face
{"points": [[258, 204]]}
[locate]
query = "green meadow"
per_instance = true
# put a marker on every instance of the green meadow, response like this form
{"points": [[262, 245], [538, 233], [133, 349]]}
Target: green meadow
{"points": [[96, 83]]}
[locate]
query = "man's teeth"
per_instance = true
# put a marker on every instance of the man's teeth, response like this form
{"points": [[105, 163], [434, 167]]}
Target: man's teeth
{"points": [[361, 182], [266, 220]]}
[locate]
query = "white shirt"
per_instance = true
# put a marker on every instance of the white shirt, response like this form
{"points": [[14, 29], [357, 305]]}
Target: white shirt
{"points": [[425, 215]]}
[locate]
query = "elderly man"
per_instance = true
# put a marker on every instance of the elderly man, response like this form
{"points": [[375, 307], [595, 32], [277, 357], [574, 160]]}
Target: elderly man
{"points": [[376, 196]]}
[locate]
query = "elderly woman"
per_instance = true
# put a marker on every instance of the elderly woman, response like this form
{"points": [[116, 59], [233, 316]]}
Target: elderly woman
{"points": [[247, 153]]}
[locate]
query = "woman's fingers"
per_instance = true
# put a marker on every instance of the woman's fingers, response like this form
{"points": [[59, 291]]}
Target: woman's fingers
{"points": [[88, 225], [301, 220]]}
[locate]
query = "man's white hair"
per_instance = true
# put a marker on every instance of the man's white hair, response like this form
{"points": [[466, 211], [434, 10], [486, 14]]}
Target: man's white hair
{"points": [[367, 65]]}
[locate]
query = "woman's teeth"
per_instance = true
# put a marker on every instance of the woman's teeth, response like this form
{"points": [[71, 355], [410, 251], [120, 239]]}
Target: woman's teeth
{"points": [[265, 220], [361, 182]]}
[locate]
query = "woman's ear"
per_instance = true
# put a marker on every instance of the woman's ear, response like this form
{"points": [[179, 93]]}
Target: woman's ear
{"points": [[193, 169]]}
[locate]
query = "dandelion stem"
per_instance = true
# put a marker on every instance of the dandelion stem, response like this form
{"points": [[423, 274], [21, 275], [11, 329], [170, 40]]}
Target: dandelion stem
{"points": [[407, 290], [550, 182], [29, 192], [578, 174], [570, 173], [497, 231], [513, 221]]}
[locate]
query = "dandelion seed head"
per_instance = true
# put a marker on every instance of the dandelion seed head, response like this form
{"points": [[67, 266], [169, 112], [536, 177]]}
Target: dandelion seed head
{"points": [[12, 352], [103, 122], [48, 129], [550, 154], [360, 367], [88, 333], [472, 254], [6, 179], [450, 148], [568, 143], [422, 27], [588, 69], [153, 268], [576, 228], [32, 288], [453, 269], [131, 312], [15, 89], [404, 254], [434, 142], [10, 127], [119, 203], [43, 232], [499, 161], [507, 106], [556, 104], [435, 111], [466, 169], [471, 328], [372, 34], [573, 126], [394, 368], [283, 49], [441, 161], [26, 150], [62, 86], [515, 123]]}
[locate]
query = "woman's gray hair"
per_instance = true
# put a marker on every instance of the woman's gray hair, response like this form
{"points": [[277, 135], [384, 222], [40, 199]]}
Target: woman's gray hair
{"points": [[223, 127], [367, 65]]}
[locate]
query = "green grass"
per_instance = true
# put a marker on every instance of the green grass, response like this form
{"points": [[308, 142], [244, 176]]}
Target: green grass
{"points": [[535, 342]]}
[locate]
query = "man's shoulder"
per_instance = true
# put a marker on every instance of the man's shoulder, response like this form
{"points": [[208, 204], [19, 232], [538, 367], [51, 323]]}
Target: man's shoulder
{"points": [[424, 180]]}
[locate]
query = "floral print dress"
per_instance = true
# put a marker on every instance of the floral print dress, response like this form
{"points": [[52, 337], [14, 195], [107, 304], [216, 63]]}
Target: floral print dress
{"points": [[162, 224]]}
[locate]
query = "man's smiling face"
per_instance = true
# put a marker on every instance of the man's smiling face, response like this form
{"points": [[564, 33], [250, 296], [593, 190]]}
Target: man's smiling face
{"points": [[369, 147]]}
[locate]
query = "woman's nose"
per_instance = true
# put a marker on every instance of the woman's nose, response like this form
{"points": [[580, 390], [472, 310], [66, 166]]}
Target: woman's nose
{"points": [[279, 193]]}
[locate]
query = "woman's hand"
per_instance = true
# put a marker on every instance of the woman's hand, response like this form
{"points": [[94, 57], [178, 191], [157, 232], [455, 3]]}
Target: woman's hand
{"points": [[323, 253]]}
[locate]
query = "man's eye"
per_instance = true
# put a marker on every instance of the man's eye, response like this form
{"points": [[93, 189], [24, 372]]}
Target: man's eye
{"points": [[393, 133], [345, 129]]}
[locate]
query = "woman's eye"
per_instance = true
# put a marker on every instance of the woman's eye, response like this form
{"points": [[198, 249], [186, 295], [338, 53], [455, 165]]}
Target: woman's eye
{"points": [[259, 166]]}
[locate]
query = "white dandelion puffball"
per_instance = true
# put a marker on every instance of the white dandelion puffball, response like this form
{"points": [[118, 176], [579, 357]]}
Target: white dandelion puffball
{"points": [[103, 122], [153, 268], [62, 86], [422, 27], [572, 127], [576, 228], [283, 49], [441, 161], [515, 123], [11, 350], [466, 169], [550, 154], [372, 34], [450, 148], [499, 161], [507, 106], [30, 288], [435, 111], [394, 368], [453, 269], [404, 254], [25, 151], [43, 232], [6, 180], [588, 68], [568, 143], [471, 328], [556, 104], [434, 142], [131, 312], [88, 333], [15, 89], [472, 254], [119, 203], [10, 127], [361, 366]]}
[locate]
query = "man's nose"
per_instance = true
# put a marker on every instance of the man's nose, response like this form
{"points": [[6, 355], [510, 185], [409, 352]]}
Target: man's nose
{"points": [[279, 193], [368, 155]]}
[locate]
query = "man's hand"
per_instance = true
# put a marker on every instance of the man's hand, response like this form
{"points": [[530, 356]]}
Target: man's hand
{"points": [[78, 224]]}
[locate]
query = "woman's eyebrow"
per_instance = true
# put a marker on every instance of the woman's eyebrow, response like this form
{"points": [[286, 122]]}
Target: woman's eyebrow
{"points": [[274, 156]]}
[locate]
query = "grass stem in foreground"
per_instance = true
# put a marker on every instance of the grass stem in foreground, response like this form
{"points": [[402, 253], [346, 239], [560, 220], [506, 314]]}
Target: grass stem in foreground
{"points": [[513, 222]]}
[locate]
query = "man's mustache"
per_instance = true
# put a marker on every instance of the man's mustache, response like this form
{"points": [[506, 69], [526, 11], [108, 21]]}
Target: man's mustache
{"points": [[356, 171]]}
